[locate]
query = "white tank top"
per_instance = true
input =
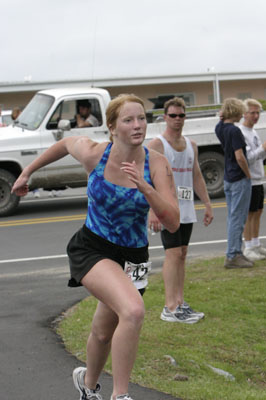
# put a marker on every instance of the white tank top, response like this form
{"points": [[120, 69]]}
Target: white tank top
{"points": [[182, 166]]}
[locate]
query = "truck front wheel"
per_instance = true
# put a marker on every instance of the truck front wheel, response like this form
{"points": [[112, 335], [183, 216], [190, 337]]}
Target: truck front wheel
{"points": [[8, 202], [212, 168]]}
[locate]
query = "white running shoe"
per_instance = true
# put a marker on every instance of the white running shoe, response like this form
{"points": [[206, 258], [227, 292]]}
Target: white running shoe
{"points": [[179, 315], [186, 307], [260, 250], [85, 393], [122, 397], [36, 194], [55, 193], [253, 255]]}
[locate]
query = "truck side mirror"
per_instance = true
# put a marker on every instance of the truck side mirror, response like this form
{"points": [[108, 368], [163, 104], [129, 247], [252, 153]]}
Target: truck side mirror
{"points": [[63, 125]]}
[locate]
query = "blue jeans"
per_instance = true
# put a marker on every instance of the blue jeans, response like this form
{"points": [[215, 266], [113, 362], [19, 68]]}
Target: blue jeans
{"points": [[237, 198]]}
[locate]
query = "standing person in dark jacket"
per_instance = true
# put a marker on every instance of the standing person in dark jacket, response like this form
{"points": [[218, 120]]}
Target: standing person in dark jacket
{"points": [[237, 183]]}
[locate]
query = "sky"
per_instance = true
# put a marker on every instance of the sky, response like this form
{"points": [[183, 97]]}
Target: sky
{"points": [[55, 40]]}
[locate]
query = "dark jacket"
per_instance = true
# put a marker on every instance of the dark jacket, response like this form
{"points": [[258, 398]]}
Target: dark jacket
{"points": [[231, 139]]}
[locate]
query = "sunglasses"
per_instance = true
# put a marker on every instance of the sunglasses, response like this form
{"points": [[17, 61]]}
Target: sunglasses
{"points": [[182, 115]]}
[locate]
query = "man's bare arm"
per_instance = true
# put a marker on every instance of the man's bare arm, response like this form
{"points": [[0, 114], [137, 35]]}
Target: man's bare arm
{"points": [[157, 145], [242, 162], [200, 188]]}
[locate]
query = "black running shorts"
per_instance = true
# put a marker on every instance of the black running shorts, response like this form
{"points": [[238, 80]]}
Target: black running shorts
{"points": [[177, 239], [86, 248], [257, 198]]}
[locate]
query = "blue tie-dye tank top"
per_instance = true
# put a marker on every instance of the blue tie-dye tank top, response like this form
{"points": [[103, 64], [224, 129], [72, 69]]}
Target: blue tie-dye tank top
{"points": [[117, 213]]}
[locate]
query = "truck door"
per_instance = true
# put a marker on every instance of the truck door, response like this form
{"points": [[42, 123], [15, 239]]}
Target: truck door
{"points": [[68, 171]]}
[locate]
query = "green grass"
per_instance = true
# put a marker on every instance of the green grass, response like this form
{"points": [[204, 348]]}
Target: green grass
{"points": [[232, 337]]}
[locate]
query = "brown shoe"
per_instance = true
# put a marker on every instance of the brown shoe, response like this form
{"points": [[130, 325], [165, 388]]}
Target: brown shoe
{"points": [[239, 261]]}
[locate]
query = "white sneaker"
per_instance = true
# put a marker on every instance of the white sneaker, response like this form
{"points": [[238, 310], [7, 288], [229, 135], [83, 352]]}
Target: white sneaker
{"points": [[261, 250], [55, 193], [188, 310], [122, 397], [36, 194], [179, 315], [85, 393], [253, 255]]}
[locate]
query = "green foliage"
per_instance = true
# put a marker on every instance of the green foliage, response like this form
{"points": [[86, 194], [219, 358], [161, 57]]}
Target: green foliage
{"points": [[232, 337], [263, 103]]}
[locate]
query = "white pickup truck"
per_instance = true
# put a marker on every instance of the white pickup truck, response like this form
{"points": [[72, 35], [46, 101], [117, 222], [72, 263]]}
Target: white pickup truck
{"points": [[50, 115]]}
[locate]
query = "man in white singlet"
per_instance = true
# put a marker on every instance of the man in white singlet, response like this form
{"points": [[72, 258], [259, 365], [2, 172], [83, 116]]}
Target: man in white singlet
{"points": [[182, 153]]}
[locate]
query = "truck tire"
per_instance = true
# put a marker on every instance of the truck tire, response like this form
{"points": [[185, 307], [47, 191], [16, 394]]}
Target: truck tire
{"points": [[212, 168], [8, 202]]}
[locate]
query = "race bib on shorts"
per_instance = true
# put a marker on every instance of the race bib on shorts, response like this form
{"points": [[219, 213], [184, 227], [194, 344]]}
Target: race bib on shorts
{"points": [[138, 273], [185, 193]]}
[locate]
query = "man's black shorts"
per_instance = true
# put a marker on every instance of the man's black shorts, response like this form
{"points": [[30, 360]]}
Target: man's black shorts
{"points": [[257, 198], [177, 239]]}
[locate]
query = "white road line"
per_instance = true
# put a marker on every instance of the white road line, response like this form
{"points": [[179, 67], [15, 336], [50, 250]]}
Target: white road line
{"points": [[47, 271], [32, 259], [192, 244], [14, 260]]}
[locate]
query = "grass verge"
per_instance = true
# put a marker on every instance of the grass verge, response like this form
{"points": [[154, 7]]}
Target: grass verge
{"points": [[231, 338]]}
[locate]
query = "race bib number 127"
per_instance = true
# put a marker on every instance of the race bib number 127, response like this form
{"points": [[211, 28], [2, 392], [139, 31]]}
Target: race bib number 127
{"points": [[185, 193]]}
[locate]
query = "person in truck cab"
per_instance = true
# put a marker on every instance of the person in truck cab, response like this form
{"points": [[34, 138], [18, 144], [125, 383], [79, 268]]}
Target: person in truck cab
{"points": [[84, 117]]}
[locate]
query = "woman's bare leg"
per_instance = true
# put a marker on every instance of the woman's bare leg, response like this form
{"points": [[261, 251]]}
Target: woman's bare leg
{"points": [[108, 282], [99, 343]]}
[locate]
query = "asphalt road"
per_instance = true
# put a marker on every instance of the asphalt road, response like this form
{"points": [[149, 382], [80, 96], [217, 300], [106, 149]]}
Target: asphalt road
{"points": [[42, 228], [33, 278]]}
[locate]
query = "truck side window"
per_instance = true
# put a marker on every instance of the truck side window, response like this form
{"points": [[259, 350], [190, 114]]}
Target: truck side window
{"points": [[53, 122], [69, 109]]}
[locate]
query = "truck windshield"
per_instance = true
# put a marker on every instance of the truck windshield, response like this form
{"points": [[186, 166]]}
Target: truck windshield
{"points": [[35, 112]]}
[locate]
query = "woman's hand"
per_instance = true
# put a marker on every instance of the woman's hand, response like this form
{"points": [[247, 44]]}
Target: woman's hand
{"points": [[134, 175]]}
